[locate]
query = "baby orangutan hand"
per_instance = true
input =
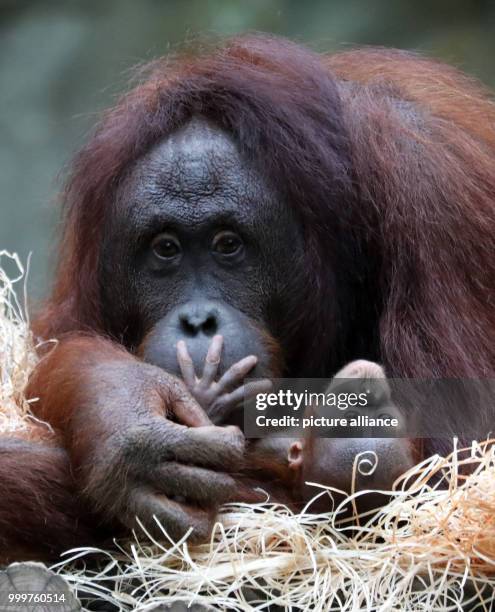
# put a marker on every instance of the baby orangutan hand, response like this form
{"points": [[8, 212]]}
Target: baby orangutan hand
{"points": [[219, 398]]}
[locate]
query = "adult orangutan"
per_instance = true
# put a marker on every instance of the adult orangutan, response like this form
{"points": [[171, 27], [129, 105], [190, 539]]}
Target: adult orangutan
{"points": [[310, 209]]}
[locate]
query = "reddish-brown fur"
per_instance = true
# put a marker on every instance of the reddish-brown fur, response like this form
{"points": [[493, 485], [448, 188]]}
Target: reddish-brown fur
{"points": [[389, 159]]}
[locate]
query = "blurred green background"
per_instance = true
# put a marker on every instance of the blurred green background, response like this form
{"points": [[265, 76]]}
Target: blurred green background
{"points": [[62, 61]]}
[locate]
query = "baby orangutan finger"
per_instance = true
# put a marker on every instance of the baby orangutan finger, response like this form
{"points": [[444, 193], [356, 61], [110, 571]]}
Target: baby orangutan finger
{"points": [[212, 361], [186, 364], [252, 388], [234, 376], [224, 404]]}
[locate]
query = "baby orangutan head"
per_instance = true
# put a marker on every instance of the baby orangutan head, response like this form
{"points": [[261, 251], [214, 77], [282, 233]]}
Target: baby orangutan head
{"points": [[352, 464]]}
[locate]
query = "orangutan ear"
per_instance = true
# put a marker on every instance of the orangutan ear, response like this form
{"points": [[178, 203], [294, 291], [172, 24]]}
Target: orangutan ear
{"points": [[295, 455]]}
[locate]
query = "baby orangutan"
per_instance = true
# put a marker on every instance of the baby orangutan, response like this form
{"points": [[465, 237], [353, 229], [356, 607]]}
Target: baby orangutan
{"points": [[290, 464], [330, 461]]}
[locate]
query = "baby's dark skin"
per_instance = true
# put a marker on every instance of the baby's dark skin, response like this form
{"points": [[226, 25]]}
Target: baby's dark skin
{"points": [[297, 461]]}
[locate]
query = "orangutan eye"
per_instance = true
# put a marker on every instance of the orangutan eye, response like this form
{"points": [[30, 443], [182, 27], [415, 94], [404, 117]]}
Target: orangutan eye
{"points": [[166, 246], [227, 244]]}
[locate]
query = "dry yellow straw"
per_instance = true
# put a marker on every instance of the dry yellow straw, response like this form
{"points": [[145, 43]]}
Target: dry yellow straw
{"points": [[432, 547], [17, 352]]}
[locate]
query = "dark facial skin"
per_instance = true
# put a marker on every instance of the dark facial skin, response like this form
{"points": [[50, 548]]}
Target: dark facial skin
{"points": [[197, 246], [200, 246]]}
